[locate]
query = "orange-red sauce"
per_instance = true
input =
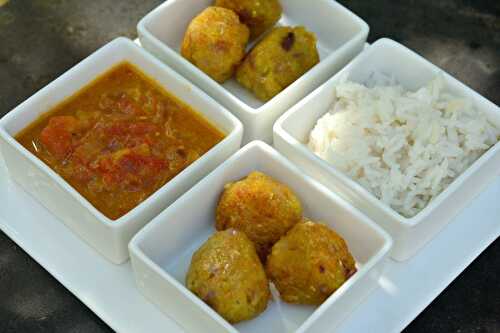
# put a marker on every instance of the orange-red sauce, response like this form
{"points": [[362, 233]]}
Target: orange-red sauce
{"points": [[119, 139]]}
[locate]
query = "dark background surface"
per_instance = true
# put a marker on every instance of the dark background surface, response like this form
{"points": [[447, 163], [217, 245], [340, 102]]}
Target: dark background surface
{"points": [[40, 39]]}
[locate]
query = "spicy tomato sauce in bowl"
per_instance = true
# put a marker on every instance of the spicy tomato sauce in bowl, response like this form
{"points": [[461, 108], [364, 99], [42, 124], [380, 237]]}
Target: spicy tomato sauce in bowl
{"points": [[114, 141], [119, 139]]}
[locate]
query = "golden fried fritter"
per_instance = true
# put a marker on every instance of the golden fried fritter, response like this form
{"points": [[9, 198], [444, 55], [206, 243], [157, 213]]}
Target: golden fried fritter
{"points": [[309, 263], [227, 274], [258, 15], [282, 56], [215, 42], [261, 207]]}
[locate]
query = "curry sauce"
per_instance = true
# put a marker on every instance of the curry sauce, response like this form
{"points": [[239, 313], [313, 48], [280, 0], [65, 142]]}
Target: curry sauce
{"points": [[119, 139]]}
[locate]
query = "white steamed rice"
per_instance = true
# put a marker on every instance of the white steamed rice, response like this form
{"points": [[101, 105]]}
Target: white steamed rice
{"points": [[404, 147]]}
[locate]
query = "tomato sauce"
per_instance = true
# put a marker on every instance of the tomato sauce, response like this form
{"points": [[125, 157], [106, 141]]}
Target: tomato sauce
{"points": [[119, 139]]}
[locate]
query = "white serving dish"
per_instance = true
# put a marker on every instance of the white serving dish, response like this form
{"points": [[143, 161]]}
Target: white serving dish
{"points": [[161, 252], [412, 71], [340, 33], [110, 291], [109, 237]]}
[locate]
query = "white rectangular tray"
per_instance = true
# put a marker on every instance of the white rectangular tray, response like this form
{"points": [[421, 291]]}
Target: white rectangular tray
{"points": [[110, 292]]}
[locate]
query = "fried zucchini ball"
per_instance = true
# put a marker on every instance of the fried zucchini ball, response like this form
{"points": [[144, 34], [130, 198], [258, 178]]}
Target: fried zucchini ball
{"points": [[258, 15], [283, 56], [261, 207], [226, 273], [309, 263], [215, 42]]}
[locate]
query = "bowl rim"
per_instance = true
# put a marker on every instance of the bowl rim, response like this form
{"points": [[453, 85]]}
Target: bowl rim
{"points": [[360, 191], [143, 30], [129, 48], [142, 236]]}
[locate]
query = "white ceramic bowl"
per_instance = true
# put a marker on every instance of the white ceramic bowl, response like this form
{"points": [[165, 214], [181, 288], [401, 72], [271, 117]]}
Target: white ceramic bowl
{"points": [[341, 35], [161, 252], [291, 133], [109, 237]]}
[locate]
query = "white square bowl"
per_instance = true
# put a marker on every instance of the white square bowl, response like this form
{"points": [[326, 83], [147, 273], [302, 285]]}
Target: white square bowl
{"points": [[161, 252], [292, 130], [109, 237], [341, 35]]}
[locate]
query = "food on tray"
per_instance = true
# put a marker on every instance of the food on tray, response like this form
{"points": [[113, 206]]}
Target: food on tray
{"points": [[215, 42], [227, 274], [259, 216], [216, 39], [261, 207], [404, 147], [309, 263], [258, 15], [279, 59], [119, 139]]}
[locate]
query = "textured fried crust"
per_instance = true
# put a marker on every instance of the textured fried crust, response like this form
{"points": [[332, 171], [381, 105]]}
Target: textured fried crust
{"points": [[282, 56], [261, 207], [309, 263], [258, 15], [227, 274], [215, 42]]}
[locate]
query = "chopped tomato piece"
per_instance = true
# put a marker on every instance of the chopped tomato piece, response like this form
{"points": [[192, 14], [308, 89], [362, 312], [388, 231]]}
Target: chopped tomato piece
{"points": [[130, 167], [57, 135], [116, 129]]}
